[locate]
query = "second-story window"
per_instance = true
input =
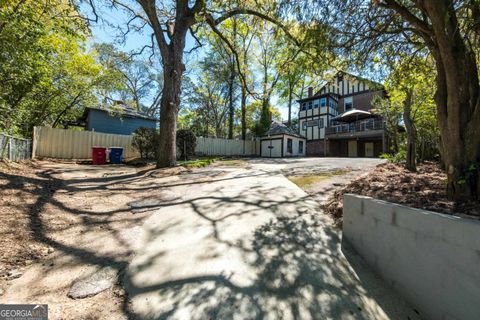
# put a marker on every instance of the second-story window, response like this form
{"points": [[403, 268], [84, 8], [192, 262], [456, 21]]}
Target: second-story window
{"points": [[348, 103], [304, 106], [310, 104], [323, 102]]}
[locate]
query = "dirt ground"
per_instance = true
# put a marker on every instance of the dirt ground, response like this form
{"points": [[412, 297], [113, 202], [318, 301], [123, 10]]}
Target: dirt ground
{"points": [[57, 227], [62, 221], [424, 189]]}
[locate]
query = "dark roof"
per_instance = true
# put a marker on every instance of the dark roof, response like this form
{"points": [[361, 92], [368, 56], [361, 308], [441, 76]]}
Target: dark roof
{"points": [[122, 111], [279, 128]]}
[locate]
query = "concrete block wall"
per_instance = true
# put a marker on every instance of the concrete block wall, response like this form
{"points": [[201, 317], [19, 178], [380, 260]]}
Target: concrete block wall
{"points": [[432, 259]]}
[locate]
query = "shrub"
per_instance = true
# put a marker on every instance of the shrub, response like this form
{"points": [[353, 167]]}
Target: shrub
{"points": [[399, 157], [145, 140], [186, 143]]}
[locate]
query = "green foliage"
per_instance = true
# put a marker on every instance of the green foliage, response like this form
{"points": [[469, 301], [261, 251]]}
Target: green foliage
{"points": [[46, 72], [263, 124], [145, 140], [199, 163], [414, 74], [186, 143], [397, 158]]}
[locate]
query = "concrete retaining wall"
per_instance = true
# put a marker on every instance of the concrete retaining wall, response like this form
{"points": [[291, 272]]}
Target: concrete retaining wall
{"points": [[432, 259]]}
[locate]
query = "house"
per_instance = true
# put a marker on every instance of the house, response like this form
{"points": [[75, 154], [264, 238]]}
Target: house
{"points": [[337, 120], [118, 119], [281, 141]]}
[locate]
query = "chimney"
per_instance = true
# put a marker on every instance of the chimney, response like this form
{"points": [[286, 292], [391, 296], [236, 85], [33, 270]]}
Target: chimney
{"points": [[310, 92]]}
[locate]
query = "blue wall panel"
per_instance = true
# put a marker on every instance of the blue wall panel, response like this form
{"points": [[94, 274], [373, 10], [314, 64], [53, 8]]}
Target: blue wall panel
{"points": [[100, 121]]}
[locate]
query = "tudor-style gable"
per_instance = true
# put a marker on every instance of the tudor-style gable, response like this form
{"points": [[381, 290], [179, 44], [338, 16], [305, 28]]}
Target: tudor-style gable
{"points": [[344, 84]]}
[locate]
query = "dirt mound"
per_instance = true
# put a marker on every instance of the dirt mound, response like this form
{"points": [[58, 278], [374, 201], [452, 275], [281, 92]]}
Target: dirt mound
{"points": [[424, 189]]}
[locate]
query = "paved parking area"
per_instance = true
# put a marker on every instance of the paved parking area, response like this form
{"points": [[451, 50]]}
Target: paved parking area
{"points": [[317, 164], [249, 244]]}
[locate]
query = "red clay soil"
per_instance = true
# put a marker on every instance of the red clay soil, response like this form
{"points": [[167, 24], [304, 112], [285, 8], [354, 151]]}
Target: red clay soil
{"points": [[424, 189]]}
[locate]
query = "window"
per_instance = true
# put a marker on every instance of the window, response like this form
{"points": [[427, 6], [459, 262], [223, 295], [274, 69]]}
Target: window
{"points": [[348, 103], [311, 123], [300, 147], [333, 104], [289, 146], [321, 123], [323, 102], [310, 104], [304, 125], [304, 106]]}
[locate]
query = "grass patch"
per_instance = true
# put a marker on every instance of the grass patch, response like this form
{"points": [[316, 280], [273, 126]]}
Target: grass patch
{"points": [[198, 163], [305, 181], [232, 162]]}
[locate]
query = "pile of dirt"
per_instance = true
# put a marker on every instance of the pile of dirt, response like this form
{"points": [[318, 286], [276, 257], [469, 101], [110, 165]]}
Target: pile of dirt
{"points": [[19, 191], [424, 189]]}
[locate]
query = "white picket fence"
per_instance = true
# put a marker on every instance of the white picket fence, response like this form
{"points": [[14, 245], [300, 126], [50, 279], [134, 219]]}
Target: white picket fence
{"points": [[226, 147], [70, 144]]}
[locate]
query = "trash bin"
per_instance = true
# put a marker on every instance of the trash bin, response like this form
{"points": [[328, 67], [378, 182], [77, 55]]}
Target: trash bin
{"points": [[116, 155], [99, 155]]}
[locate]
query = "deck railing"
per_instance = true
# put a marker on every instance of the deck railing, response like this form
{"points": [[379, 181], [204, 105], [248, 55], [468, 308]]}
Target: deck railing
{"points": [[357, 126]]}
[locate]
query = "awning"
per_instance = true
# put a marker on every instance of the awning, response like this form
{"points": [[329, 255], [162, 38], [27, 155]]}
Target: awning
{"points": [[352, 115]]}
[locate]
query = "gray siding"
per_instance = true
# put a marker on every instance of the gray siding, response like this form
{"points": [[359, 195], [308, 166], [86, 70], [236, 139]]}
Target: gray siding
{"points": [[101, 121]]}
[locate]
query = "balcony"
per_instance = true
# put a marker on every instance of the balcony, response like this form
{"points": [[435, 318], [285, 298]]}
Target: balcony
{"points": [[362, 128]]}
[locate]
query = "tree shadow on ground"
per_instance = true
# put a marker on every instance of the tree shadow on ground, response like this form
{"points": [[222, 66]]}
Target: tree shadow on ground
{"points": [[299, 270]]}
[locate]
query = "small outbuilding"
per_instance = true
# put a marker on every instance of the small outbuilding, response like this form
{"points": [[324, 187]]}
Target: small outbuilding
{"points": [[118, 119], [282, 141]]}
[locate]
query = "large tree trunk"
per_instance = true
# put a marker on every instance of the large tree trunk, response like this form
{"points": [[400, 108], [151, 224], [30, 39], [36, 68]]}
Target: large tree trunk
{"points": [[290, 99], [173, 68], [244, 112], [231, 107], [395, 139], [168, 116], [410, 128], [458, 103]]}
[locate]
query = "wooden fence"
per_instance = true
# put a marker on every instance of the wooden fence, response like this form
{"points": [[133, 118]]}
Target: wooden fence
{"points": [[14, 148], [70, 144], [226, 147]]}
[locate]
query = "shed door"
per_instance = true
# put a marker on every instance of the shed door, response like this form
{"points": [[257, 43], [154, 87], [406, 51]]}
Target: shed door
{"points": [[272, 148], [352, 148]]}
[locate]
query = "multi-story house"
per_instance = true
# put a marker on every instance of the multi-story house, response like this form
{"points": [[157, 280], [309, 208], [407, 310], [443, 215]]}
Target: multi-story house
{"points": [[337, 120]]}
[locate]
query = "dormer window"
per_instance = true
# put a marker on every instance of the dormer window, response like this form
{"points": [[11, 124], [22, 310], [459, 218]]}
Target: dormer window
{"points": [[348, 103]]}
